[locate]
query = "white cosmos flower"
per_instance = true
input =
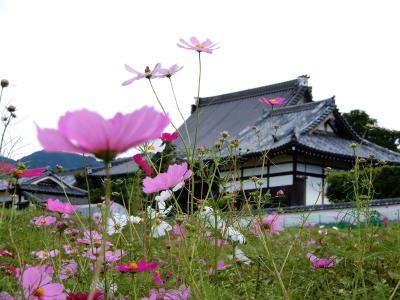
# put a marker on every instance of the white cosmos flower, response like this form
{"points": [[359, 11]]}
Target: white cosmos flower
{"points": [[178, 186], [164, 196], [135, 220], [234, 235], [240, 257], [116, 223], [161, 229], [113, 287], [155, 146], [152, 213]]}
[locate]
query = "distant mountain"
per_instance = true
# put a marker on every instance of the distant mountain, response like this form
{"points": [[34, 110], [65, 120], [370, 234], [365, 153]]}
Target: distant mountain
{"points": [[42, 159]]}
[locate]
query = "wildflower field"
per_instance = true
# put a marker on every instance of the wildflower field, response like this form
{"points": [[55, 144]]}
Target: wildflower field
{"points": [[173, 243]]}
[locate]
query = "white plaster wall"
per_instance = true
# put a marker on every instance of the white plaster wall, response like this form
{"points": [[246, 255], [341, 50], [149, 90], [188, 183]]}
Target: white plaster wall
{"points": [[280, 180], [313, 188]]}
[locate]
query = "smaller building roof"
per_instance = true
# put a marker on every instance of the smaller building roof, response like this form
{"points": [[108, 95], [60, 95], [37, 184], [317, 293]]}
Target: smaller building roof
{"points": [[122, 166]]}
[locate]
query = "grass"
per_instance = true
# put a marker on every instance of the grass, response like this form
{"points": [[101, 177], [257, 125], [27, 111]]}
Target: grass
{"points": [[188, 260]]}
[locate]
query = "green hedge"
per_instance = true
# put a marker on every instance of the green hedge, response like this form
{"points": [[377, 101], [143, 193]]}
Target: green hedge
{"points": [[384, 181]]}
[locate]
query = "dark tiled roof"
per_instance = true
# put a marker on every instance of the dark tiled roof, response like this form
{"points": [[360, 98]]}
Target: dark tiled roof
{"points": [[118, 167], [50, 183], [296, 126], [236, 111], [42, 197]]}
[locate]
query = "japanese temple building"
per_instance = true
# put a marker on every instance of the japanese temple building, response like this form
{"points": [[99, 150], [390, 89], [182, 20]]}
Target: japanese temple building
{"points": [[300, 138]]}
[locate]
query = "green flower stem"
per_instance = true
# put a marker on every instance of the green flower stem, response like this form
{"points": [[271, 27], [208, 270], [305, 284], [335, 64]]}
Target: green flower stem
{"points": [[101, 259]]}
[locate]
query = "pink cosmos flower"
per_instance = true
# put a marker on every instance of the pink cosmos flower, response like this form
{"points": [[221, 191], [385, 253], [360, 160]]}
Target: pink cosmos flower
{"points": [[157, 278], [56, 205], [147, 74], [179, 230], [37, 285], [113, 256], [220, 267], [168, 72], [311, 242], [138, 158], [175, 175], [320, 263], [183, 293], [271, 224], [91, 237], [5, 296], [43, 221], [71, 231], [169, 137], [68, 269], [98, 295], [272, 101], [20, 173], [4, 252], [134, 267], [385, 221], [45, 254], [206, 46], [85, 131], [68, 250]]}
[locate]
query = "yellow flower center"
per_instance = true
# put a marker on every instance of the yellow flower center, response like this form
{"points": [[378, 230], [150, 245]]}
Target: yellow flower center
{"points": [[133, 265], [273, 100], [151, 148], [97, 241], [42, 221], [200, 46], [19, 172], [68, 271], [39, 292], [45, 254]]}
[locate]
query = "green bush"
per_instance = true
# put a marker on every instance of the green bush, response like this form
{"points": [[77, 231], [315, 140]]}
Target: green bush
{"points": [[378, 182]]}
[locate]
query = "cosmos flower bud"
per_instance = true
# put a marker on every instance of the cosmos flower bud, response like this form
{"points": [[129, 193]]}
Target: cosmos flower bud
{"points": [[4, 83], [11, 108], [225, 134], [234, 143], [353, 145], [147, 71]]}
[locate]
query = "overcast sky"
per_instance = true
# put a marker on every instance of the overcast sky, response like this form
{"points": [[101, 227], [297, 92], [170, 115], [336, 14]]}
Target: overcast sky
{"points": [[66, 55]]}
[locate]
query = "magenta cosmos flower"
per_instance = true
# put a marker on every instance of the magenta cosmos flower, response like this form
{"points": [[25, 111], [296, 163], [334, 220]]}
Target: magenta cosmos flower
{"points": [[37, 285], [175, 175], [138, 159], [85, 131], [206, 46], [43, 221], [272, 101], [60, 207], [320, 263], [5, 252], [147, 73], [98, 295], [134, 267], [270, 224], [169, 137], [20, 173]]}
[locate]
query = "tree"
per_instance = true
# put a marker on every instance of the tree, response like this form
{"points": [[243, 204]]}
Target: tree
{"points": [[368, 128]]}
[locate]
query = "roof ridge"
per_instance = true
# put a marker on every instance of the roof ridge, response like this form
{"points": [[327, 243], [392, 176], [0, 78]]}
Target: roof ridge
{"points": [[258, 91], [315, 122], [301, 107]]}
